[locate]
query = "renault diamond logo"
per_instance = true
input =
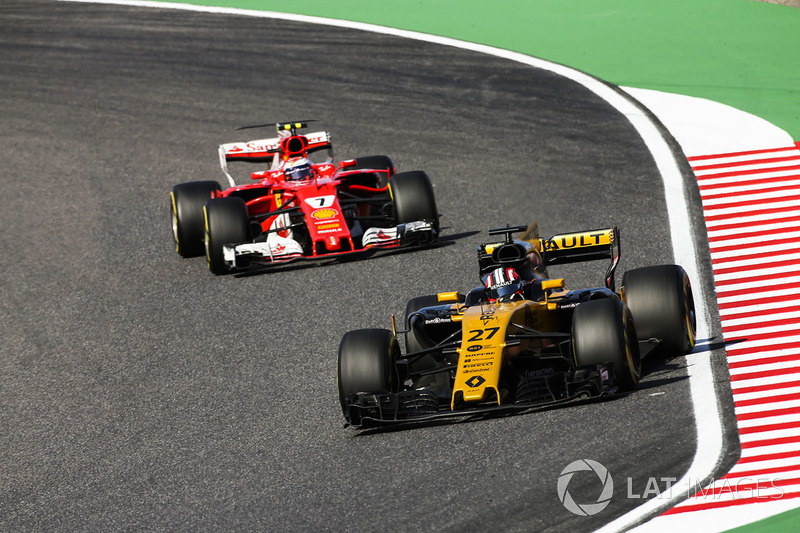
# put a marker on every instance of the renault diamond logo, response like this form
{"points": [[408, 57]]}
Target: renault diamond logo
{"points": [[475, 381]]}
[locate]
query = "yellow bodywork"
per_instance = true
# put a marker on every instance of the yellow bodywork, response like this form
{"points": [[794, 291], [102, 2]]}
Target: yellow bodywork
{"points": [[483, 346], [582, 239], [447, 297]]}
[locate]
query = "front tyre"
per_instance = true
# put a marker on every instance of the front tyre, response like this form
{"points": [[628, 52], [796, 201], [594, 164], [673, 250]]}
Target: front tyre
{"points": [[187, 200], [603, 333], [366, 363], [660, 298], [226, 222], [412, 194]]}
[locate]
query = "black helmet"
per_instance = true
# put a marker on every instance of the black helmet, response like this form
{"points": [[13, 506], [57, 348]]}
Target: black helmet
{"points": [[504, 285]]}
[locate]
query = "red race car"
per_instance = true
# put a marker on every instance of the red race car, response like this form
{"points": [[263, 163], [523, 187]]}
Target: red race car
{"points": [[299, 209]]}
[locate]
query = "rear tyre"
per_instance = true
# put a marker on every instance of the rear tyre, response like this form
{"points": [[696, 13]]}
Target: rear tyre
{"points": [[187, 200], [603, 333], [661, 300], [225, 223], [366, 363], [413, 198]]}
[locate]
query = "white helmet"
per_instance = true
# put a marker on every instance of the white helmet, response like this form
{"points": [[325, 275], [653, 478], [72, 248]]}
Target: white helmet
{"points": [[298, 169]]}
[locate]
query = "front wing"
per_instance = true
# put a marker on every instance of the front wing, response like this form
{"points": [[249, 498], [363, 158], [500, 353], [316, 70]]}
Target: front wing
{"points": [[261, 256], [367, 410]]}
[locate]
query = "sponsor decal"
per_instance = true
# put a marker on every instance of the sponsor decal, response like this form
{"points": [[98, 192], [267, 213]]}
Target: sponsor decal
{"points": [[487, 316], [475, 381], [335, 230], [259, 147], [475, 348], [326, 213], [578, 240], [484, 357], [331, 225], [234, 149], [438, 320]]}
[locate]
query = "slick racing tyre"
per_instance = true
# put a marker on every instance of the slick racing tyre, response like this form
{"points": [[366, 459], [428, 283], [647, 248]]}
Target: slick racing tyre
{"points": [[661, 300], [225, 223], [187, 200], [366, 363], [603, 333], [413, 198]]}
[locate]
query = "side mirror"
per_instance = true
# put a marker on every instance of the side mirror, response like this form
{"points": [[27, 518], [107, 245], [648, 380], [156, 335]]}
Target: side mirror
{"points": [[448, 297], [553, 284]]}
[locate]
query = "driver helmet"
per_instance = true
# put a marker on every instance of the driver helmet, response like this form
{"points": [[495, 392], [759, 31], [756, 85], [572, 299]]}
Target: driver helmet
{"points": [[504, 285], [298, 169]]}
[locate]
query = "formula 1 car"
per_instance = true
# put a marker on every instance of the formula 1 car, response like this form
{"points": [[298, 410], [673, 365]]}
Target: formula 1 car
{"points": [[299, 209], [519, 341]]}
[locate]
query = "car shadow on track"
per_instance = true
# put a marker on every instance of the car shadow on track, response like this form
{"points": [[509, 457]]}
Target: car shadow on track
{"points": [[474, 418], [665, 365], [659, 370]]}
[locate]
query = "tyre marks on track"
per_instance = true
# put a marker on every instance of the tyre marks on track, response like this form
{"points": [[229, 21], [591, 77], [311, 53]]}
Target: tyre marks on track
{"points": [[751, 202]]}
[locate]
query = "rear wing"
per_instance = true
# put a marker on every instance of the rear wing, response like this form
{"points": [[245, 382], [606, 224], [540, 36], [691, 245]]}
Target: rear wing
{"points": [[583, 246], [266, 150], [557, 250]]}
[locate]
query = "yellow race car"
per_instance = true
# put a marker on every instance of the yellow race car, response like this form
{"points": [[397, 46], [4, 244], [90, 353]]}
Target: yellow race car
{"points": [[521, 339]]}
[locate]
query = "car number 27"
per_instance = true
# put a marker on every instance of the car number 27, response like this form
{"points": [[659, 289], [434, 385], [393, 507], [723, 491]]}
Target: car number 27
{"points": [[482, 334]]}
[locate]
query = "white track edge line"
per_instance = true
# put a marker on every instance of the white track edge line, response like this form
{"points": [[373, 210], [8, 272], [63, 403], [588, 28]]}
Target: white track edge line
{"points": [[701, 379]]}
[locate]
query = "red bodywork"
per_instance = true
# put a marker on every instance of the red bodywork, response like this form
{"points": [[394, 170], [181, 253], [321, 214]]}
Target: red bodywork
{"points": [[317, 198]]}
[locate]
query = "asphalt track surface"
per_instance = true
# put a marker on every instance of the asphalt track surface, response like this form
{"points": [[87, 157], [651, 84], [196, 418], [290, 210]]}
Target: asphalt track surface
{"points": [[138, 391]]}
